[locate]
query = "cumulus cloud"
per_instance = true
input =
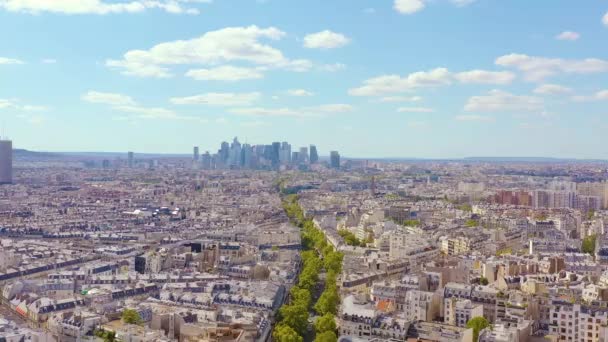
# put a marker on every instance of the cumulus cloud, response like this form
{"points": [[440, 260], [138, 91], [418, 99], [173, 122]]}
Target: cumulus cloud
{"points": [[568, 35], [605, 19], [390, 84], [502, 101], [538, 68], [325, 40], [415, 110], [401, 99], [225, 73], [73, 7], [126, 104], [408, 6], [4, 60], [230, 44], [299, 92], [598, 96], [552, 89], [485, 77], [218, 99], [317, 111], [18, 105]]}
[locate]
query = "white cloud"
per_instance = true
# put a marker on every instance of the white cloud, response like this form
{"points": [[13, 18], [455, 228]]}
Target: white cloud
{"points": [[390, 84], [325, 40], [485, 77], [415, 110], [538, 68], [74, 7], [552, 89], [126, 104], [408, 6], [230, 44], [225, 73], [401, 99], [568, 35], [317, 111], [299, 92], [112, 99], [605, 19], [501, 101], [49, 61], [4, 60], [599, 96], [218, 99], [18, 105], [333, 67], [478, 118]]}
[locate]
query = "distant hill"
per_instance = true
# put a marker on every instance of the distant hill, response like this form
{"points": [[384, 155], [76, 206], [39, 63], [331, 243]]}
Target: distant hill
{"points": [[21, 153]]}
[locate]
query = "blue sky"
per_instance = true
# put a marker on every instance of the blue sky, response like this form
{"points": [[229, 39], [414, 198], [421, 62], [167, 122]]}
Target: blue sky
{"points": [[370, 78]]}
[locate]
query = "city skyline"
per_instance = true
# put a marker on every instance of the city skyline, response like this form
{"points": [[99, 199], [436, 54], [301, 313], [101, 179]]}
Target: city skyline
{"points": [[447, 79]]}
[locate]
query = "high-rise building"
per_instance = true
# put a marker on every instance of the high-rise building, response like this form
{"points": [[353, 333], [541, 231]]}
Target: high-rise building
{"points": [[6, 161], [304, 155], [276, 150], [131, 159], [196, 153], [224, 153], [334, 159], [285, 155], [206, 161], [314, 155]]}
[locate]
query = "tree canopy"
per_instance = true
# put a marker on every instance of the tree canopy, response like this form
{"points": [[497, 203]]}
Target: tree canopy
{"points": [[477, 324]]}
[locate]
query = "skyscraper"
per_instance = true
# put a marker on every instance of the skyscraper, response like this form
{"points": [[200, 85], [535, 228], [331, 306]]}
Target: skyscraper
{"points": [[334, 159], [131, 159], [196, 153], [314, 156], [6, 161], [276, 150], [303, 155]]}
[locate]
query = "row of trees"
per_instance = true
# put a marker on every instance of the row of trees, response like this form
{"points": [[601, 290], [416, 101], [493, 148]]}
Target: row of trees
{"points": [[293, 317]]}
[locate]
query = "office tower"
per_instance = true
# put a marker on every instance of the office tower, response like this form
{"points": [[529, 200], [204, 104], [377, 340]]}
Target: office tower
{"points": [[285, 155], [334, 159], [6, 161], [295, 158], [303, 155], [206, 161], [131, 159], [314, 156], [276, 150], [224, 153], [196, 154], [246, 156], [235, 153], [105, 164]]}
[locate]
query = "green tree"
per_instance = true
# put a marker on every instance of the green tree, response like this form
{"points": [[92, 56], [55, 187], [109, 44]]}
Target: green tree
{"points": [[588, 245], [483, 281], [106, 336], [284, 333], [295, 316], [477, 324], [130, 316], [325, 323], [328, 301], [471, 223], [300, 296], [328, 336]]}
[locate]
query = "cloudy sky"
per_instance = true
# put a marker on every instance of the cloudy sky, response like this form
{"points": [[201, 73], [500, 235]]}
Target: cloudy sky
{"points": [[371, 78]]}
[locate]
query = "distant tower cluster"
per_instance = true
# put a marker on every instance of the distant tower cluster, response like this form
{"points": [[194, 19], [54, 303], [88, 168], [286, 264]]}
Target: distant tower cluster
{"points": [[6, 161], [273, 156]]}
